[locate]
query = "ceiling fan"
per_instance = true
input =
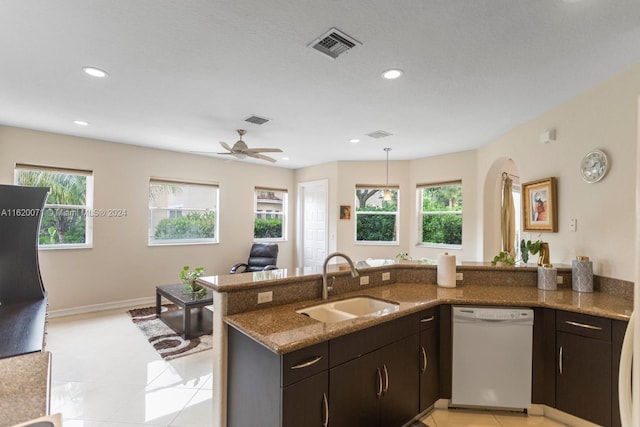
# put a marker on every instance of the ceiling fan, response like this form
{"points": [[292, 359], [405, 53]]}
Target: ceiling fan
{"points": [[240, 150]]}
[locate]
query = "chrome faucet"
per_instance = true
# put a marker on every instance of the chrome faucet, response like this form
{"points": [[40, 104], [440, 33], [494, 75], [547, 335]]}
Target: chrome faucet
{"points": [[325, 286]]}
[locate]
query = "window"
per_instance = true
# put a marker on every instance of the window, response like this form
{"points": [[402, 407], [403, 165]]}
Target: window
{"points": [[376, 218], [270, 218], [182, 212], [441, 213], [67, 218]]}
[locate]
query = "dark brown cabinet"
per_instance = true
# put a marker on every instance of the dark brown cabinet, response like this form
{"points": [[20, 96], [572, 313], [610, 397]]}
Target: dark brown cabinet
{"points": [[584, 366], [306, 403], [266, 389], [429, 355], [377, 389], [373, 377]]}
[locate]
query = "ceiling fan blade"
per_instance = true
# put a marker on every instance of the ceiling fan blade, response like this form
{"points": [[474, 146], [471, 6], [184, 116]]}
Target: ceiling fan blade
{"points": [[260, 156], [263, 150], [226, 146]]}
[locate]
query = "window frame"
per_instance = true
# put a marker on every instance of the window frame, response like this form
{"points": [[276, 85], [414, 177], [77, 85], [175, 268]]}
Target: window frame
{"points": [[87, 207], [356, 213], [174, 208], [270, 214], [421, 213]]}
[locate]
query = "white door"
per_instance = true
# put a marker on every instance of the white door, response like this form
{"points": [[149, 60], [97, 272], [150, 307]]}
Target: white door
{"points": [[314, 229]]}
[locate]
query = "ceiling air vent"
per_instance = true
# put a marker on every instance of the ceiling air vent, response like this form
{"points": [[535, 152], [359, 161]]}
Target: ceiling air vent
{"points": [[334, 43], [257, 120], [379, 134]]}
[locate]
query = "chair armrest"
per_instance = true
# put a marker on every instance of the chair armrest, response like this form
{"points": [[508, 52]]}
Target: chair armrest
{"points": [[235, 268], [270, 267]]}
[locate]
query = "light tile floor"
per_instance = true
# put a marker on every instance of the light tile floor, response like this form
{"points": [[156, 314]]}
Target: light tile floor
{"points": [[105, 374]]}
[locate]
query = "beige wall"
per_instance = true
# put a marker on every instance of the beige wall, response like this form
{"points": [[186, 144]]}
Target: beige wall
{"points": [[121, 266], [603, 117]]}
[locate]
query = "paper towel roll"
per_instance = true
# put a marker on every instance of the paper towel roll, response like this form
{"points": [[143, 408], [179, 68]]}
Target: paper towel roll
{"points": [[446, 276]]}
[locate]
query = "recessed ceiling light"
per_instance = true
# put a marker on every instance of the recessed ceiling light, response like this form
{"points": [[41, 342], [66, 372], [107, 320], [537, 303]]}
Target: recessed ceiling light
{"points": [[81, 123], [284, 158], [354, 140], [393, 73], [95, 72]]}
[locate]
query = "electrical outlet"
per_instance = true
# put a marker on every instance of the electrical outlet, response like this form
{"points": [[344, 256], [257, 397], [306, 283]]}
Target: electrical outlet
{"points": [[386, 276], [265, 297], [559, 280], [459, 276], [364, 280]]}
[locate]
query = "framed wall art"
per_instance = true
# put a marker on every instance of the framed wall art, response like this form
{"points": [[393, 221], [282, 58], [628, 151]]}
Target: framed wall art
{"points": [[345, 211], [540, 205]]}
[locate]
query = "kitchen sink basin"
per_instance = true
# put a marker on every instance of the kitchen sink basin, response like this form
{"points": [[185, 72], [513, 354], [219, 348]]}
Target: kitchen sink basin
{"points": [[326, 314], [350, 308], [365, 306]]}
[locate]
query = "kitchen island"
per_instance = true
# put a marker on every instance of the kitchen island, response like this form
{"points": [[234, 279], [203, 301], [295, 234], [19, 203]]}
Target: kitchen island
{"points": [[281, 330]]}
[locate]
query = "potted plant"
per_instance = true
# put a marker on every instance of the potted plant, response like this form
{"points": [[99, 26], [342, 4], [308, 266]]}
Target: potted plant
{"points": [[503, 259], [188, 277], [529, 247], [403, 256]]}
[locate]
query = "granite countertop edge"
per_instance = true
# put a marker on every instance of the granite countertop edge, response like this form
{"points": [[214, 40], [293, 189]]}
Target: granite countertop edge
{"points": [[281, 330]]}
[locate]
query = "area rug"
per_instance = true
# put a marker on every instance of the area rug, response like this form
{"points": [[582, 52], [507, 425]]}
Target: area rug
{"points": [[165, 340]]}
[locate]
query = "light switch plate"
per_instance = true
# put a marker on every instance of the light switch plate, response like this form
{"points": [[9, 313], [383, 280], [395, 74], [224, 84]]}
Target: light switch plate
{"points": [[364, 280], [459, 276], [386, 276], [265, 297]]}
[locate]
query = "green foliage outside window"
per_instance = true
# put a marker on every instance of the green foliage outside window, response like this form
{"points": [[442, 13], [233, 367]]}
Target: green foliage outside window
{"points": [[194, 225], [442, 214], [62, 222], [376, 228], [270, 228], [376, 217]]}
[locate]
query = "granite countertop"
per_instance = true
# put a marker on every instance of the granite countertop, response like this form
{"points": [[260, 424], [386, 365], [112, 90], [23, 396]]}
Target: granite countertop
{"points": [[243, 281], [24, 387], [282, 330]]}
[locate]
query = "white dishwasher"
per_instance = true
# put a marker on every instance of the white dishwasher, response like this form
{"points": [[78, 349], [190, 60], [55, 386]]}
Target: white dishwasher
{"points": [[492, 351]]}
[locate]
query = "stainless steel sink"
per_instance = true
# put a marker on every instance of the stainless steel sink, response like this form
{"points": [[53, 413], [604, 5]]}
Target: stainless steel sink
{"points": [[350, 308]]}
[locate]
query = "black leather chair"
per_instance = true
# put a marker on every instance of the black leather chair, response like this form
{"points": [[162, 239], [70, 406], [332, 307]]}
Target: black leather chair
{"points": [[263, 256]]}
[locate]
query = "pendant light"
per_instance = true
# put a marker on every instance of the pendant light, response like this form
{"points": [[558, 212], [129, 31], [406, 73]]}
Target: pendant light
{"points": [[387, 192]]}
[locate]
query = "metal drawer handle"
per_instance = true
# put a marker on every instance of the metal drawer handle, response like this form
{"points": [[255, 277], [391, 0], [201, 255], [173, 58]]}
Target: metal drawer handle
{"points": [[379, 392], [325, 404], [427, 319], [583, 325], [560, 360], [307, 363], [424, 360], [386, 378]]}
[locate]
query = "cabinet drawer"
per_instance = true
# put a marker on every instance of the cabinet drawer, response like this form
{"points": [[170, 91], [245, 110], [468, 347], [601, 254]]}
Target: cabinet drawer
{"points": [[584, 325], [429, 319], [305, 362], [353, 345]]}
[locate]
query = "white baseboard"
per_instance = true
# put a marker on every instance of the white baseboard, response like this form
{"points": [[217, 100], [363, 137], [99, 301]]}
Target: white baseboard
{"points": [[132, 303]]}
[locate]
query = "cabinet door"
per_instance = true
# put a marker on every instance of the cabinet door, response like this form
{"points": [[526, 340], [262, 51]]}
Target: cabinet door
{"points": [[429, 368], [584, 377], [305, 403], [618, 330], [400, 367], [354, 392]]}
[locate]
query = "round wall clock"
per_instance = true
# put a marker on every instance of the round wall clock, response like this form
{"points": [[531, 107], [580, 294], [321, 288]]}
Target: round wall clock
{"points": [[594, 166]]}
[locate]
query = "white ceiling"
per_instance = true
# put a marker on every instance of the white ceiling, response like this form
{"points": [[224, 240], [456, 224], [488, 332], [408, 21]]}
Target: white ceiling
{"points": [[184, 74]]}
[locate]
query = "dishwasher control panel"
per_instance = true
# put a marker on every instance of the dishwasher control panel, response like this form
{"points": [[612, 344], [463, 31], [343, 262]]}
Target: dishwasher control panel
{"points": [[492, 313]]}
